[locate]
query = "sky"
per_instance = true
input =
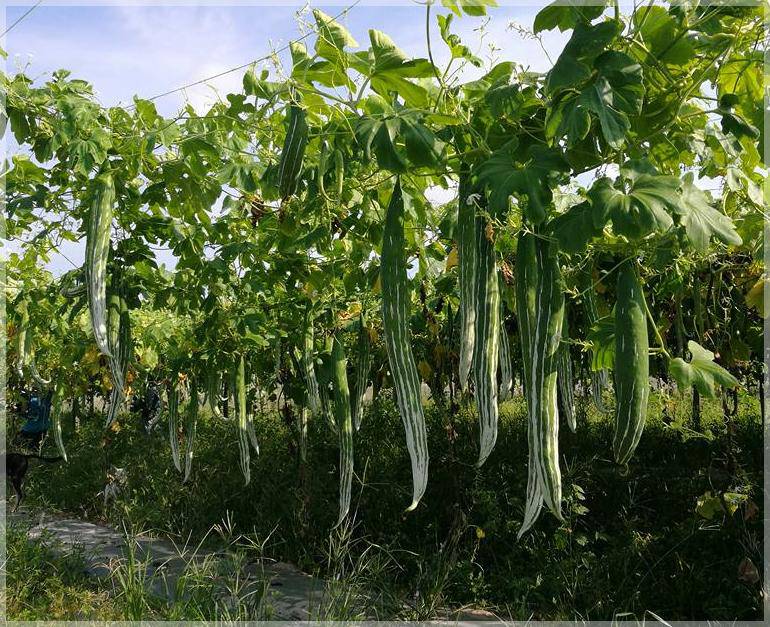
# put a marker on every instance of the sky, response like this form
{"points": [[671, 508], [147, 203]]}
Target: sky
{"points": [[123, 50]]}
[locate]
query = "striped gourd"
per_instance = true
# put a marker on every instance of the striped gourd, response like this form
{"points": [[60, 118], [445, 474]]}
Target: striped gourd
{"points": [[21, 337], [599, 378], [71, 284], [339, 172], [113, 334], [344, 421], [506, 366], [33, 371], [214, 391], [239, 390], [466, 250], [122, 351], [308, 365], [540, 305], [487, 340], [324, 383], [632, 385], [97, 250], [323, 159], [26, 353], [250, 427], [56, 411], [302, 422], [173, 409], [395, 320], [191, 427], [293, 151], [363, 366], [566, 389]]}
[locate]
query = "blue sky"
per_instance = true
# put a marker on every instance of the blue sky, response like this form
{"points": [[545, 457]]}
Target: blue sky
{"points": [[147, 50]]}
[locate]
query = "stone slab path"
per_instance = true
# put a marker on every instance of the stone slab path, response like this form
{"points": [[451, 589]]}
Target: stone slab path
{"points": [[290, 593], [287, 593]]}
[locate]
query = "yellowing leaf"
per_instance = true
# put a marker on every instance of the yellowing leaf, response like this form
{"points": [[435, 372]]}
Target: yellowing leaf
{"points": [[452, 259], [354, 309], [425, 370], [756, 296]]}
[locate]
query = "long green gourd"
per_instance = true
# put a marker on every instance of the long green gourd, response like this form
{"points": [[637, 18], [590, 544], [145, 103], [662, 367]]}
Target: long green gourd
{"points": [[113, 333], [363, 366], [239, 390], [344, 420], [21, 337], [213, 391], [487, 340], [97, 251], [540, 308], [466, 250], [632, 364], [293, 151], [566, 389], [191, 428], [506, 367], [121, 347], [56, 411], [325, 382], [308, 365], [173, 410], [395, 319], [599, 378], [250, 427], [33, 371]]}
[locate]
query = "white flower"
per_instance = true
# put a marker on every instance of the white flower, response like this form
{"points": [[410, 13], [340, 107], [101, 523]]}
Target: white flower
{"points": [[473, 199]]}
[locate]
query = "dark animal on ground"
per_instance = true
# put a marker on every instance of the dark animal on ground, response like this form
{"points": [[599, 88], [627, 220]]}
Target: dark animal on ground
{"points": [[16, 466]]}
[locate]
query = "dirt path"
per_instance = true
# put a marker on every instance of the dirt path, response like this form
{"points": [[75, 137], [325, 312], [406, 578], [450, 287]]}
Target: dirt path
{"points": [[289, 594]]}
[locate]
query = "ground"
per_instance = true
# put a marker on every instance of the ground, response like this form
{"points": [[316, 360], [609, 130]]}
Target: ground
{"points": [[678, 533]]}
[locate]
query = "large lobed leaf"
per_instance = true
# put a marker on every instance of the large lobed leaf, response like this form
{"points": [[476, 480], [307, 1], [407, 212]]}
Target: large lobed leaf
{"points": [[702, 372]]}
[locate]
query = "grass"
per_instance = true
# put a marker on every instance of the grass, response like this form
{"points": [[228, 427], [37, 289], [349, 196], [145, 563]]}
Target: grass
{"points": [[43, 585], [635, 540]]}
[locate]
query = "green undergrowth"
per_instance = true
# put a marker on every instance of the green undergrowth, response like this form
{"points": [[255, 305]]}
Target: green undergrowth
{"points": [[671, 534]]}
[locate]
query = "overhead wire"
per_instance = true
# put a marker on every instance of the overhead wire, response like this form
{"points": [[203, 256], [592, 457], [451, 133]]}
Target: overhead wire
{"points": [[24, 15], [245, 65]]}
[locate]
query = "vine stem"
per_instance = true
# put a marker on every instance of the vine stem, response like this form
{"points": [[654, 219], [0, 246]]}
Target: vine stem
{"points": [[655, 326]]}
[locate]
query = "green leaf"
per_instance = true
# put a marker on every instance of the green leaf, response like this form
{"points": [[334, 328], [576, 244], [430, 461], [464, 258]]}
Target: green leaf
{"points": [[504, 176], [512, 101], [625, 77], [662, 36], [422, 147], [569, 118], [456, 48], [566, 72], [641, 211], [474, 8], [573, 67], [379, 136], [565, 15], [575, 228], [701, 372], [333, 38], [602, 340], [735, 124], [599, 99], [702, 220], [389, 58]]}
